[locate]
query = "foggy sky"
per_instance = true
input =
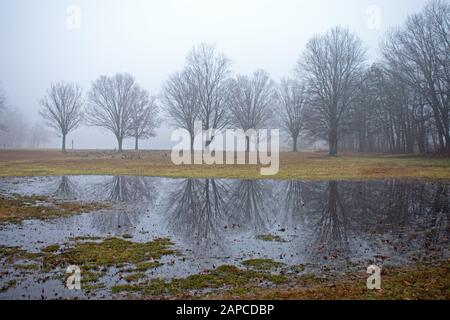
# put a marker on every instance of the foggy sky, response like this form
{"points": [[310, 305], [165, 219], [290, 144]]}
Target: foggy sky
{"points": [[150, 40]]}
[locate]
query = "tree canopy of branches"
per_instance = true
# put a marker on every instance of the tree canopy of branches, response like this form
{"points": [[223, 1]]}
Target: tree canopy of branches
{"points": [[179, 99], [209, 71], [330, 66], [61, 108], [144, 117], [291, 103], [251, 100], [199, 91], [115, 102]]}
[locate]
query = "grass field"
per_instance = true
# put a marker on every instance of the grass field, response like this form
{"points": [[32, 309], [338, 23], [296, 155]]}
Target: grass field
{"points": [[305, 165]]}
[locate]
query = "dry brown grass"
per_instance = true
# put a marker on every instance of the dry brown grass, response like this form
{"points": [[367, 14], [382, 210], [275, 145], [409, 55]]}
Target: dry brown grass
{"points": [[305, 165], [419, 282]]}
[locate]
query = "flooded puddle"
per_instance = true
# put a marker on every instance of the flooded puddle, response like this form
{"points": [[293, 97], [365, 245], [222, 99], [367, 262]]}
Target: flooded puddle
{"points": [[323, 226]]}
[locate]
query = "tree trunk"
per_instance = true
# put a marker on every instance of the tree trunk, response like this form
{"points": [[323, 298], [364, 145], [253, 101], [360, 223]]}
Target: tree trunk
{"points": [[294, 147], [64, 142], [247, 144], [333, 140], [136, 143], [119, 141], [192, 148]]}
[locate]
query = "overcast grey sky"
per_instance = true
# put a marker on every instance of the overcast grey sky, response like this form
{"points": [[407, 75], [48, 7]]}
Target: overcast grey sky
{"points": [[150, 39]]}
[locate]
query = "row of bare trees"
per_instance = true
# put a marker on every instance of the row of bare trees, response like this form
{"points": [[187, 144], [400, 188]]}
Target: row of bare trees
{"points": [[16, 131], [117, 104], [400, 104], [205, 91]]}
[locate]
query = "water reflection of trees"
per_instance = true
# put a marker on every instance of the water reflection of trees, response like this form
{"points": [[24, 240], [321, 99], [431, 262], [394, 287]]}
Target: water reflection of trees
{"points": [[137, 194], [327, 215], [345, 217], [65, 188], [202, 210], [196, 211], [251, 204], [127, 189], [415, 213], [292, 203]]}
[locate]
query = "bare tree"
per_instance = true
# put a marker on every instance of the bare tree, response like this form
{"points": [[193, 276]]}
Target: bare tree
{"points": [[330, 66], [62, 107], [110, 104], [291, 102], [144, 116], [180, 100], [251, 100], [38, 136], [209, 71], [2, 107], [15, 129], [418, 54]]}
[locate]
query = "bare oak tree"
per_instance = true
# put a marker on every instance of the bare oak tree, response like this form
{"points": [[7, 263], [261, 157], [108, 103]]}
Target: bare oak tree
{"points": [[110, 104], [180, 101], [61, 108], [330, 66], [291, 103], [144, 116], [209, 71], [251, 100]]}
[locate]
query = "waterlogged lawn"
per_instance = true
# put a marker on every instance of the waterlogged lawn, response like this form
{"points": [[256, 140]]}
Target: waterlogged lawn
{"points": [[143, 237], [256, 280]]}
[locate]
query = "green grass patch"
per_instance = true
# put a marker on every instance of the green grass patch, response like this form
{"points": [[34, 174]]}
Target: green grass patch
{"points": [[8, 285], [110, 252], [223, 276], [16, 208], [270, 237], [262, 264], [50, 248]]}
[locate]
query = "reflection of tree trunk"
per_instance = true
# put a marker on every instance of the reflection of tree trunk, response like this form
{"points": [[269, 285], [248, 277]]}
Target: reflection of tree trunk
{"points": [[66, 188], [139, 193], [440, 206], [248, 204], [128, 189], [332, 228], [293, 201], [195, 209]]}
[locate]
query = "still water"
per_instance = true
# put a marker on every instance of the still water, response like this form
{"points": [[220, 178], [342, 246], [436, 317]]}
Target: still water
{"points": [[323, 225]]}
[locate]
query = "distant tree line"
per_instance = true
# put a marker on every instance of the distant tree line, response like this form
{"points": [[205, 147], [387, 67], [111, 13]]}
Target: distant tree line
{"points": [[399, 104]]}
